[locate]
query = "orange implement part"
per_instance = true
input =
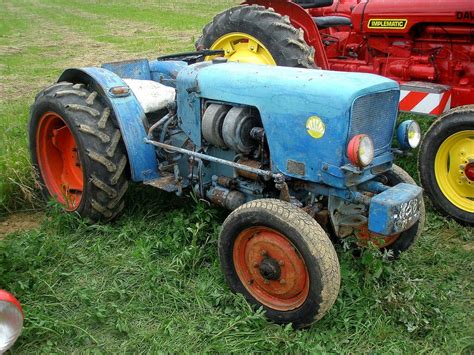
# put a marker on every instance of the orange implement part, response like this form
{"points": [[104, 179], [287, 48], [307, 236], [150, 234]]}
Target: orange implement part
{"points": [[261, 251], [59, 161], [364, 236]]}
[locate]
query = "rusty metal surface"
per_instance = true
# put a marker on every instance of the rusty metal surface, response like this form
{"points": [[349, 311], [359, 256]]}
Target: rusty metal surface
{"points": [[166, 183], [250, 163]]}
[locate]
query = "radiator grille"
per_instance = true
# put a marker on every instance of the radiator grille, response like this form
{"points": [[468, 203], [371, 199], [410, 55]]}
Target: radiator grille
{"points": [[375, 115]]}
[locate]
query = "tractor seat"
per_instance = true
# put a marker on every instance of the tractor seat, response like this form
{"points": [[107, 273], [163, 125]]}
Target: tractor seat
{"points": [[331, 21]]}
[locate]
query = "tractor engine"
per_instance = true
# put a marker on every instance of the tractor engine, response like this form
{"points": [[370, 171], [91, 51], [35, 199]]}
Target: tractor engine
{"points": [[405, 40]]}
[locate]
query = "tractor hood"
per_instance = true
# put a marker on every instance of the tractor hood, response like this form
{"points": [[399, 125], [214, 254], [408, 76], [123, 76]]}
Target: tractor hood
{"points": [[308, 115]]}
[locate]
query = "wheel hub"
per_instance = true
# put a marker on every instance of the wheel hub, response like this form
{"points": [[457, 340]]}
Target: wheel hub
{"points": [[270, 269], [469, 171], [244, 48], [454, 169], [59, 161]]}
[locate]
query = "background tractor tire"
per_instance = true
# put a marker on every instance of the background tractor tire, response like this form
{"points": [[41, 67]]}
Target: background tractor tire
{"points": [[446, 164], [280, 258], [255, 34], [78, 152]]}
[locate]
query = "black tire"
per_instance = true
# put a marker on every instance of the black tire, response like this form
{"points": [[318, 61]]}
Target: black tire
{"points": [[311, 244], [406, 239], [285, 43], [99, 145], [454, 121]]}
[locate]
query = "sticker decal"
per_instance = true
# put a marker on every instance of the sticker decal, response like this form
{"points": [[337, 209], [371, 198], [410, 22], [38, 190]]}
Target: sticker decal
{"points": [[315, 127], [465, 15], [388, 23]]}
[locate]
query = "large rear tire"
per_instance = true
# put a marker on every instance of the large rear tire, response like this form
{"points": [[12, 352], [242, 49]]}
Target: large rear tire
{"points": [[255, 34], [78, 151], [280, 259], [446, 164]]}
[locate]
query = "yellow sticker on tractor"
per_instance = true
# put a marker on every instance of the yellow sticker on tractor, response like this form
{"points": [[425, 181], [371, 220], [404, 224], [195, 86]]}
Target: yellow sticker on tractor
{"points": [[388, 23], [315, 127]]}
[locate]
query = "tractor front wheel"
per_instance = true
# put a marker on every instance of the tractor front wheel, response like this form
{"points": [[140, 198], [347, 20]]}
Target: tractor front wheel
{"points": [[78, 151], [280, 259], [446, 164], [255, 34]]}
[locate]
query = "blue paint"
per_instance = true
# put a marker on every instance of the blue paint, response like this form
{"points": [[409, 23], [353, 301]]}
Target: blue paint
{"points": [[402, 135], [189, 96], [164, 72], [285, 106], [395, 209], [132, 69], [129, 115]]}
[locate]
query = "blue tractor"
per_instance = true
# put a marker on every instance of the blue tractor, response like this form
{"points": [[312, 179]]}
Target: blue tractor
{"points": [[295, 159]]}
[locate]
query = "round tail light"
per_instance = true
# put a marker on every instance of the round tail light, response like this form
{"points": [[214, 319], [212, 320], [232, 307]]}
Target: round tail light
{"points": [[360, 150], [11, 320]]}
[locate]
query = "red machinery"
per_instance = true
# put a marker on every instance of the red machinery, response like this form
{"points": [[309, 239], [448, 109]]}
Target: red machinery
{"points": [[426, 45]]}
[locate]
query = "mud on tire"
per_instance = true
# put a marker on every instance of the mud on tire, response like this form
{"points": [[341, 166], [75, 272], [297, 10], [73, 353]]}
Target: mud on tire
{"points": [[98, 142], [285, 43]]}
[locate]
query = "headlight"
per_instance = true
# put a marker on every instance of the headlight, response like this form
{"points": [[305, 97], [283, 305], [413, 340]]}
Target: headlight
{"points": [[360, 150], [11, 320], [409, 135]]}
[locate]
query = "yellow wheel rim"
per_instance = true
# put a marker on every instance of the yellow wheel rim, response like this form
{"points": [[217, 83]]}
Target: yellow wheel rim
{"points": [[454, 154], [244, 48]]}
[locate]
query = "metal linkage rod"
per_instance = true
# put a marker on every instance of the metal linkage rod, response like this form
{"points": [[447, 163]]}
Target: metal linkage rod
{"points": [[264, 173]]}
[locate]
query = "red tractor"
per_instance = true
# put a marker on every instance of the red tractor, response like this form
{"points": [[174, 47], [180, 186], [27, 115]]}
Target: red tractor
{"points": [[425, 45]]}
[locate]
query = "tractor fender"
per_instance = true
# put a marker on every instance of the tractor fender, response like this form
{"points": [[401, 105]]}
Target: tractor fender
{"points": [[129, 114], [300, 18]]}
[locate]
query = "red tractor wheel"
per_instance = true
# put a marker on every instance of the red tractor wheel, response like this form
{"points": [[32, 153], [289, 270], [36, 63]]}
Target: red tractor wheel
{"points": [[78, 151], [255, 34], [280, 259]]}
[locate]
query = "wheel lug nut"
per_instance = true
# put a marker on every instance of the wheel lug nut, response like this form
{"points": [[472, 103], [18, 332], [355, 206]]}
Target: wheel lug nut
{"points": [[263, 252], [282, 281], [281, 263], [255, 264], [266, 281]]}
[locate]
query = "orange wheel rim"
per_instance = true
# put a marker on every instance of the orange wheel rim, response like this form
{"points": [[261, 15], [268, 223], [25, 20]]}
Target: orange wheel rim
{"points": [[270, 268], [364, 237], [59, 161]]}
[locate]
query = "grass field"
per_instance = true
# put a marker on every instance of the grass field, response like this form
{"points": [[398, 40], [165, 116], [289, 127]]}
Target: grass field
{"points": [[151, 280]]}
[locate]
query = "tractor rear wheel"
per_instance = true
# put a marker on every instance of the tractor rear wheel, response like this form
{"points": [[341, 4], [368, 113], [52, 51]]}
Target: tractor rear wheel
{"points": [[280, 259], [446, 164], [78, 151], [255, 34]]}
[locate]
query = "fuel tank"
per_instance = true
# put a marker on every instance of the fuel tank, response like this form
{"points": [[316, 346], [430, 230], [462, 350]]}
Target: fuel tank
{"points": [[398, 17]]}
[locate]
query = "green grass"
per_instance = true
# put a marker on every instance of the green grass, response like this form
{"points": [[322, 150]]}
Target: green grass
{"points": [[151, 280]]}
